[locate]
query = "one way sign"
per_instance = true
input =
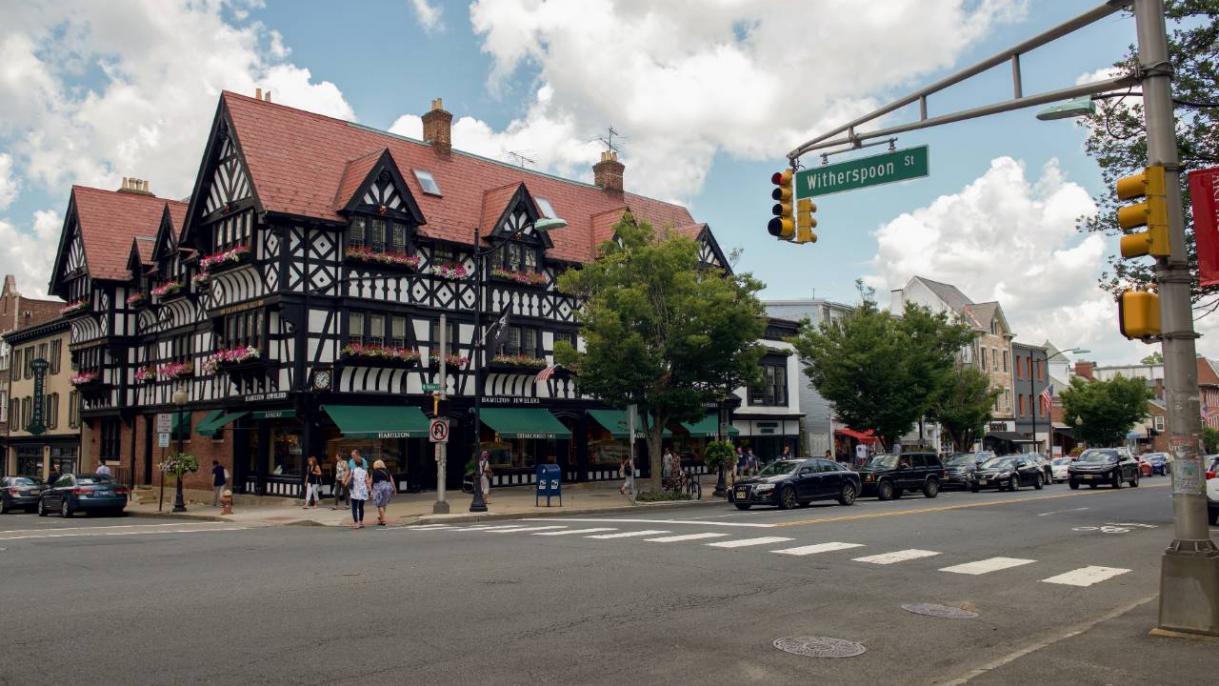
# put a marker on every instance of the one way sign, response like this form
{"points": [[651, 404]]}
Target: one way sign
{"points": [[438, 431]]}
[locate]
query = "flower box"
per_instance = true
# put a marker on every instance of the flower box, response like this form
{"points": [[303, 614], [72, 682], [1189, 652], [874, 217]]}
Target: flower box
{"points": [[385, 259], [90, 385], [175, 370], [75, 307], [523, 278], [454, 270], [137, 299], [201, 280], [226, 259], [516, 363], [230, 359], [85, 378], [451, 361], [167, 290], [146, 374], [379, 355]]}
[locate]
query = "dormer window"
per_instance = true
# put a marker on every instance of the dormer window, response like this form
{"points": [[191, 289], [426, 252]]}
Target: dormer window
{"points": [[374, 234], [546, 208], [427, 182]]}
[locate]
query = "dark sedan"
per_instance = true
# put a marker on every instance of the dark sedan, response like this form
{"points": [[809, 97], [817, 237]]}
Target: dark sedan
{"points": [[91, 493], [1098, 466], [787, 483], [19, 493], [959, 468], [1009, 472]]}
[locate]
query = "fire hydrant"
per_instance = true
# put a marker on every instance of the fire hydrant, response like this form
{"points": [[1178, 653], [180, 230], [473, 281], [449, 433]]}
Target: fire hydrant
{"points": [[226, 502]]}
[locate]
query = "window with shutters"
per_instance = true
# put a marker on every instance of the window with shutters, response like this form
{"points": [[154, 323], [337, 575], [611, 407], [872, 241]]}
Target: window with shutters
{"points": [[73, 410], [355, 327], [55, 354]]}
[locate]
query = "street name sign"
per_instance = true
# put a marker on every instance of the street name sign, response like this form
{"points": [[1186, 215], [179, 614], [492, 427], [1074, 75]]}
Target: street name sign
{"points": [[430, 387], [911, 163], [438, 431]]}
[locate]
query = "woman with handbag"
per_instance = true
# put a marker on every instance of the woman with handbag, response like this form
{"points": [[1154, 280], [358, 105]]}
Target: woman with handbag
{"points": [[358, 485], [484, 475], [313, 483], [627, 471], [382, 489], [340, 479]]}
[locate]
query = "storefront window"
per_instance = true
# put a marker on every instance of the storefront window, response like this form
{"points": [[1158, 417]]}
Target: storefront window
{"points": [[287, 458], [29, 460], [519, 453], [65, 457], [391, 451]]}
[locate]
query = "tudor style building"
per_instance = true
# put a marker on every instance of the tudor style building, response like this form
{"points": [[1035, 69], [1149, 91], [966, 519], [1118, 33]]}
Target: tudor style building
{"points": [[296, 300]]}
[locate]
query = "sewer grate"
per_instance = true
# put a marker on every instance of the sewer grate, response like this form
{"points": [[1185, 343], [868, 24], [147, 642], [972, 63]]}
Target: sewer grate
{"points": [[819, 646], [941, 611]]}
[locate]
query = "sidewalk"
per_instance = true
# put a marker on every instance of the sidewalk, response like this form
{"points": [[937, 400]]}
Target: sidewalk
{"points": [[416, 508]]}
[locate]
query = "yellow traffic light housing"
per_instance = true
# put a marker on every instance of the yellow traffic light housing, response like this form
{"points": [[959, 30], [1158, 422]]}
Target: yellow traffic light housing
{"points": [[805, 222], [783, 224], [1152, 213], [1138, 314]]}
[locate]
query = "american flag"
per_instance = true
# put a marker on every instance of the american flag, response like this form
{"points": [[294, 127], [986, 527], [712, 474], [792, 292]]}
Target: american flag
{"points": [[1047, 399], [546, 373]]}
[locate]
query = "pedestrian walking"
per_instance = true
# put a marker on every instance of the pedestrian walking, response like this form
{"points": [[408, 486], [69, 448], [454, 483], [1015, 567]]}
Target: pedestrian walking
{"points": [[53, 475], [751, 462], [356, 458], [627, 471], [340, 480], [359, 482], [666, 465], [104, 470], [313, 483], [787, 453], [219, 480], [382, 489], [484, 475], [740, 461]]}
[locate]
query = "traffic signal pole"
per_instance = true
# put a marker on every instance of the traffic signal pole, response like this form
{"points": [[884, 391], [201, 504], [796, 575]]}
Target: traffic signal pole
{"points": [[1189, 570]]}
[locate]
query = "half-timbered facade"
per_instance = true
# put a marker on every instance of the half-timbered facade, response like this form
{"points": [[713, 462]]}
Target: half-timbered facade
{"points": [[297, 299]]}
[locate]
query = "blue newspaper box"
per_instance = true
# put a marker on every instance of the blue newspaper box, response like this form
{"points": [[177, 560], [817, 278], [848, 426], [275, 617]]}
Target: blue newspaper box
{"points": [[549, 484]]}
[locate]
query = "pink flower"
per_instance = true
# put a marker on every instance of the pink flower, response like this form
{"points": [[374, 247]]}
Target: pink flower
{"points": [[82, 378], [167, 288], [75, 306], [232, 255]]}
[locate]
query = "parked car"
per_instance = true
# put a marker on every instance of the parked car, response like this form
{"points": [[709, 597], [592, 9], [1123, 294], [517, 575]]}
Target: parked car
{"points": [[888, 476], [1058, 468], [1010, 472], [19, 492], [91, 493], [1212, 491], [959, 468], [1159, 463], [1097, 466], [1047, 470], [1144, 465], [787, 483]]}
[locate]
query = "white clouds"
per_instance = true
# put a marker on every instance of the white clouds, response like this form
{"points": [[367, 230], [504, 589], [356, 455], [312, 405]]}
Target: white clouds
{"points": [[685, 80], [28, 254], [8, 184], [429, 15]]}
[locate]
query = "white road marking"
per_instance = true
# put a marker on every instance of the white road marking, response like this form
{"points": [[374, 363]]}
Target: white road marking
{"points": [[504, 527], [1074, 509], [1134, 524], [1086, 576], [106, 526], [630, 534], [899, 556], [818, 548], [523, 529], [696, 522], [425, 527], [744, 542], [576, 531], [992, 564], [159, 532], [683, 537]]}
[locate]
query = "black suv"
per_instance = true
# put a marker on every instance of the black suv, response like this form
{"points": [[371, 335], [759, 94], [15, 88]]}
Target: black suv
{"points": [[1096, 466], [888, 476], [787, 483]]}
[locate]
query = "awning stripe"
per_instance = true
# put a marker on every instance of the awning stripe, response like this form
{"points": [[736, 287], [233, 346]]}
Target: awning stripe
{"points": [[524, 423]]}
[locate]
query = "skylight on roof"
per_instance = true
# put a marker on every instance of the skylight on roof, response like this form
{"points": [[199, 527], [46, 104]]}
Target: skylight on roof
{"points": [[426, 182], [546, 208]]}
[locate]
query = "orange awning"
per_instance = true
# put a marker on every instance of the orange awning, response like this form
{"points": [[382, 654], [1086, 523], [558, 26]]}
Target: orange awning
{"points": [[863, 436]]}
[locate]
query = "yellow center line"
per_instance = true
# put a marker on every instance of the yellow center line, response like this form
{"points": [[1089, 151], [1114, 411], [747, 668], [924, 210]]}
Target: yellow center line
{"points": [[945, 508]]}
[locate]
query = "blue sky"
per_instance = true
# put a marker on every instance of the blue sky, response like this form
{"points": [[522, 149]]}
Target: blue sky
{"points": [[708, 95]]}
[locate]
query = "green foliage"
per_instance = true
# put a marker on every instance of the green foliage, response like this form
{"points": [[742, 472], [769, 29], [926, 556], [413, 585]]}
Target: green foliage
{"points": [[180, 463], [1210, 440], [718, 454], [1106, 409], [661, 330], [1156, 357], [1117, 137], [963, 405], [879, 371]]}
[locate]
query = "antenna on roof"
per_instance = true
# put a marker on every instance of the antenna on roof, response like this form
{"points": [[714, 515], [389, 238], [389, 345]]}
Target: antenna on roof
{"points": [[520, 159], [608, 139]]}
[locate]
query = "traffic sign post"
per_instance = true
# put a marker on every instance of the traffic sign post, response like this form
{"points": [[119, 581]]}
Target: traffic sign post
{"points": [[911, 163], [438, 431], [438, 434]]}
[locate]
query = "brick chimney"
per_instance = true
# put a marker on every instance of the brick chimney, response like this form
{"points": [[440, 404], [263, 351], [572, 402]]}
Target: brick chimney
{"points": [[607, 174], [1084, 369], [134, 185], [437, 128]]}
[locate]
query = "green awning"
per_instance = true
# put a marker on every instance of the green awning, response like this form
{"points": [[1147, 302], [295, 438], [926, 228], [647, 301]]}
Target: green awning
{"points": [[524, 423], [215, 421], [708, 427], [273, 414], [615, 422], [378, 421]]}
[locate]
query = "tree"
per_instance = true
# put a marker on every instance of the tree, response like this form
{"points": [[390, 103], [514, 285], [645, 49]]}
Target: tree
{"points": [[1156, 357], [1210, 440], [1105, 409], [881, 372], [662, 330], [1117, 136], [964, 405]]}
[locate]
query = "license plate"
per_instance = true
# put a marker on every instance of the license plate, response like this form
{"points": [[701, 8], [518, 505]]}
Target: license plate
{"points": [[107, 493], [35, 492], [983, 482], [1087, 477], [742, 493]]}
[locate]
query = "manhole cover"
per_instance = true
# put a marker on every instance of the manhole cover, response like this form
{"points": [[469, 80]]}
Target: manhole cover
{"points": [[942, 611], [819, 646]]}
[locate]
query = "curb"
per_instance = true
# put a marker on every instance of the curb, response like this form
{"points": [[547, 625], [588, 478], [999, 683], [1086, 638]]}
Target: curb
{"points": [[557, 512], [178, 515]]}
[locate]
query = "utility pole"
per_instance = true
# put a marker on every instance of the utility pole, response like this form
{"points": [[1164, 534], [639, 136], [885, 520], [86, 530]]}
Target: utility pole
{"points": [[1189, 571], [441, 506]]}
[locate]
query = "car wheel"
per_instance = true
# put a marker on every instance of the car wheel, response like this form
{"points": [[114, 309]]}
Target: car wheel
{"points": [[65, 510], [847, 495], [931, 488], [1117, 479], [1073, 484], [1037, 483], [787, 499], [742, 506], [885, 490], [1134, 483], [973, 488], [3, 507], [42, 508], [1214, 515], [1013, 484]]}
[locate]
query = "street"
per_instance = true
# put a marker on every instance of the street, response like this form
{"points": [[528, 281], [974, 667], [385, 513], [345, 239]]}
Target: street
{"points": [[674, 596]]}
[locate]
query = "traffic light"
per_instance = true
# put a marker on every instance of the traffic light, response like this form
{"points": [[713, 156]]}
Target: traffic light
{"points": [[805, 223], [1138, 314], [1152, 212], [783, 225]]}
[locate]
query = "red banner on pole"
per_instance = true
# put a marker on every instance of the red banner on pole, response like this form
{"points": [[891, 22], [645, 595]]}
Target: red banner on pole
{"points": [[1204, 194]]}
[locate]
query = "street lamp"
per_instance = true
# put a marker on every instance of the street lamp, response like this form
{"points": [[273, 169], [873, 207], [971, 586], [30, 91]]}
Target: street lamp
{"points": [[179, 399], [1077, 107], [1033, 401], [544, 225]]}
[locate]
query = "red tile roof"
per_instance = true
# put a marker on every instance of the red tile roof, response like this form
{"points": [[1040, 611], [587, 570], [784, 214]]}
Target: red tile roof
{"points": [[144, 245], [495, 201], [354, 174], [109, 221], [299, 163]]}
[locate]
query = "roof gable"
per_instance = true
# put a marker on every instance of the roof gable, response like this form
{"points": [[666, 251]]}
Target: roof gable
{"points": [[509, 211], [374, 183], [949, 294], [107, 223]]}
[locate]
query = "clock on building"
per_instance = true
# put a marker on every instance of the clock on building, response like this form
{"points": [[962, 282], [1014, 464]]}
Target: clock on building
{"points": [[321, 379]]}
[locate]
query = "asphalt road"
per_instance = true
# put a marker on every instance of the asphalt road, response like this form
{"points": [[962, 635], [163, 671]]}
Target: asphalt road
{"points": [[123, 601]]}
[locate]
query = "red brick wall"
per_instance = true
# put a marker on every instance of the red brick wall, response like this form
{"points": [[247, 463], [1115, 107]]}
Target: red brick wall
{"points": [[202, 447]]}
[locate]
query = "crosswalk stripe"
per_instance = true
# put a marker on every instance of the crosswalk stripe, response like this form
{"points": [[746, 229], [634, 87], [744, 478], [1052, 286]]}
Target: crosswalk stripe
{"points": [[630, 534], [576, 531], [430, 527], [818, 548], [1086, 576], [992, 564], [683, 537], [492, 528], [899, 556], [523, 529], [745, 542]]}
